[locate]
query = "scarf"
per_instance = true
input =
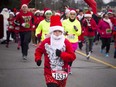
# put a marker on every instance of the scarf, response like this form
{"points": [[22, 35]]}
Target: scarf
{"points": [[109, 22]]}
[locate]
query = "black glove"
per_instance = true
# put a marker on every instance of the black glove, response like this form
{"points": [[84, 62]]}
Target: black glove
{"points": [[75, 28], [58, 52], [90, 29], [38, 62], [66, 33]]}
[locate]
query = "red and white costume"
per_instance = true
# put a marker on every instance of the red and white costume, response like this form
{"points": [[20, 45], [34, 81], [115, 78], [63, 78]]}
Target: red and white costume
{"points": [[52, 62]]}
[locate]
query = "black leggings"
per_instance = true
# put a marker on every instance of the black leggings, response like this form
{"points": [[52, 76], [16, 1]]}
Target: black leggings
{"points": [[52, 85], [106, 43]]}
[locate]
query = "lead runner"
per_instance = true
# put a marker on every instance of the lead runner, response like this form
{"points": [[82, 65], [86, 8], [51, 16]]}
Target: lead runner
{"points": [[58, 52]]}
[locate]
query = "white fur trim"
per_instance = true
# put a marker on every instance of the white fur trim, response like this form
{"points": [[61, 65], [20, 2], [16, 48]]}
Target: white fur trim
{"points": [[12, 13], [38, 11], [48, 11], [23, 6], [72, 11], [56, 28], [87, 15]]}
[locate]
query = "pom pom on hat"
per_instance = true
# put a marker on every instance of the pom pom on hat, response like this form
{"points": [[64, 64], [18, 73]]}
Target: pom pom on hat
{"points": [[55, 24], [88, 14]]}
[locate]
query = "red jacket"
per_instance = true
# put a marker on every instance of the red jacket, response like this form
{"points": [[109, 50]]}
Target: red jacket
{"points": [[67, 56], [93, 27], [11, 26], [102, 29], [25, 18]]}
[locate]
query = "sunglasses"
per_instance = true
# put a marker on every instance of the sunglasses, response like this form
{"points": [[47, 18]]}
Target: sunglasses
{"points": [[72, 14], [48, 14]]}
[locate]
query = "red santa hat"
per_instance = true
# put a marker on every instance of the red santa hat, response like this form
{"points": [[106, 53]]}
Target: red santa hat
{"points": [[55, 24], [38, 11], [72, 10], [47, 10], [110, 11], [11, 13], [24, 5], [88, 14]]}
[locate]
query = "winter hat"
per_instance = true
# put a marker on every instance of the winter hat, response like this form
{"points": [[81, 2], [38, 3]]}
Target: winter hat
{"points": [[67, 11], [38, 11], [47, 10], [12, 13], [55, 23], [73, 11], [88, 14], [110, 11], [24, 5]]}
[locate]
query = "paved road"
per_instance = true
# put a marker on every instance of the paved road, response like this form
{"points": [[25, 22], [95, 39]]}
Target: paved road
{"points": [[96, 72]]}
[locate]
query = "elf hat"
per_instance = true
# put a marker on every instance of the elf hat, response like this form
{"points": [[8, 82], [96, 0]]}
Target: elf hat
{"points": [[88, 14], [55, 24]]}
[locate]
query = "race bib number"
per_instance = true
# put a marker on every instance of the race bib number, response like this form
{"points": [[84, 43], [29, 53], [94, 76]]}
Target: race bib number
{"points": [[108, 31], [59, 75], [17, 28], [11, 27], [71, 36]]}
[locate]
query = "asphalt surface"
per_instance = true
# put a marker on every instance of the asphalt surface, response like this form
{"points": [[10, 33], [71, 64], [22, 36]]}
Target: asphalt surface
{"points": [[98, 71]]}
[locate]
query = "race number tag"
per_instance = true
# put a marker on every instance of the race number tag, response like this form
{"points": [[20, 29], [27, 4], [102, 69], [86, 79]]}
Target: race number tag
{"points": [[108, 31], [71, 36], [59, 75], [17, 28]]}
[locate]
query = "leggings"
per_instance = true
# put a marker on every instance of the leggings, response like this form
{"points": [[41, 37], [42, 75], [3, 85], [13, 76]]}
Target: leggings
{"points": [[106, 43]]}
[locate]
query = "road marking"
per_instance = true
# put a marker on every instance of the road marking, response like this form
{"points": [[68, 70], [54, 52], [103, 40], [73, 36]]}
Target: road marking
{"points": [[105, 63]]}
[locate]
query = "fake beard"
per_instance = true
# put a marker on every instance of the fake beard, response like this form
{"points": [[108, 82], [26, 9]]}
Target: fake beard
{"points": [[57, 42]]}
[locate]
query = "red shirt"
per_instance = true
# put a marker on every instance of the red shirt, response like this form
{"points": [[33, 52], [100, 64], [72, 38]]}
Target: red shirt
{"points": [[11, 25], [25, 18], [67, 56]]}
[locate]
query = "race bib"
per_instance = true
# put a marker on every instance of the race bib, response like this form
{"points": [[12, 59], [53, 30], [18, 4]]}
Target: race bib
{"points": [[17, 28], [108, 31], [59, 75], [71, 36], [11, 27]]}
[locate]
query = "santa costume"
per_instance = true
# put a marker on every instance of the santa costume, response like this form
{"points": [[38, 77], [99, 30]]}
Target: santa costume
{"points": [[57, 52]]}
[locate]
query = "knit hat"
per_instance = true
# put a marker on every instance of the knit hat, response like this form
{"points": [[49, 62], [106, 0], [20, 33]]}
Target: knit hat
{"points": [[55, 23], [88, 14]]}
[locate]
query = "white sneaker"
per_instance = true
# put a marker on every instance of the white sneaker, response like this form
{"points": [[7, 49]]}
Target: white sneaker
{"points": [[24, 57]]}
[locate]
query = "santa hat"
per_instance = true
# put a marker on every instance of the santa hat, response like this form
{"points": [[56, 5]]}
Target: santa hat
{"points": [[38, 11], [67, 11], [88, 14], [24, 5], [110, 11], [55, 24], [47, 10], [11, 13], [72, 11]]}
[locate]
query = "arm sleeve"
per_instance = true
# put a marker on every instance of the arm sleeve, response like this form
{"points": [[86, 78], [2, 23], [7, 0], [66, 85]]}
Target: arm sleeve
{"points": [[68, 55]]}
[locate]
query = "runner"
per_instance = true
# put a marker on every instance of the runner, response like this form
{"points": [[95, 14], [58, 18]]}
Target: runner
{"points": [[58, 52]]}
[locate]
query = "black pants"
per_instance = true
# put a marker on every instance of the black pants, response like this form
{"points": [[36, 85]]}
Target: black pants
{"points": [[8, 33], [106, 43], [25, 38], [52, 85]]}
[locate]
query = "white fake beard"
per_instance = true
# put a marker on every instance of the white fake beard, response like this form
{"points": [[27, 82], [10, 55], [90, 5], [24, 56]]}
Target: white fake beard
{"points": [[57, 42]]}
